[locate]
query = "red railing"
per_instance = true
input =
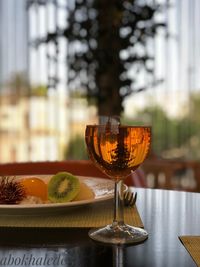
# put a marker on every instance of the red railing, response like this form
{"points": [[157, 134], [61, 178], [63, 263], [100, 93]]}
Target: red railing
{"points": [[154, 173]]}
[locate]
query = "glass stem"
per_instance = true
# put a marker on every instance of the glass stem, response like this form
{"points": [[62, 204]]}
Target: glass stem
{"points": [[119, 204]]}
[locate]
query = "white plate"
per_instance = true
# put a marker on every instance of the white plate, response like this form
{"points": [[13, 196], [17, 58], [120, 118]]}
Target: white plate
{"points": [[103, 190]]}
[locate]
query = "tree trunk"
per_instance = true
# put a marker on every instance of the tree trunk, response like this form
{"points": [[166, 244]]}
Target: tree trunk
{"points": [[109, 102], [108, 75]]}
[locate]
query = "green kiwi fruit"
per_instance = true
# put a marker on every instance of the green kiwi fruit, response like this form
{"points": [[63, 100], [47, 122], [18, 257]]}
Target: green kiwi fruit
{"points": [[63, 187]]}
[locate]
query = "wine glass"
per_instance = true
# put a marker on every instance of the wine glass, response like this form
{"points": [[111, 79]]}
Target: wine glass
{"points": [[117, 150]]}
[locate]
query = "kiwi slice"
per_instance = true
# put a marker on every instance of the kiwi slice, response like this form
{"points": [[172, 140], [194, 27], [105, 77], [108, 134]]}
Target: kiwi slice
{"points": [[63, 187]]}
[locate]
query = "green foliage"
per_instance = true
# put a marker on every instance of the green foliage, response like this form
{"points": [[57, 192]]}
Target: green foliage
{"points": [[19, 84], [76, 149], [155, 117], [195, 111], [169, 134], [40, 90], [105, 40]]}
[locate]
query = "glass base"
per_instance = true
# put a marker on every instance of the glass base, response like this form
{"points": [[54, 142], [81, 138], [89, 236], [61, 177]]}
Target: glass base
{"points": [[118, 234]]}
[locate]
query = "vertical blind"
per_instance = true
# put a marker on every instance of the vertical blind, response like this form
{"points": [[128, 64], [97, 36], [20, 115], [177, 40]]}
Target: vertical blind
{"points": [[37, 116]]}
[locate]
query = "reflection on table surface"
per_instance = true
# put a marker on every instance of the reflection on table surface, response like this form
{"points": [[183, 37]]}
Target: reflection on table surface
{"points": [[165, 214]]}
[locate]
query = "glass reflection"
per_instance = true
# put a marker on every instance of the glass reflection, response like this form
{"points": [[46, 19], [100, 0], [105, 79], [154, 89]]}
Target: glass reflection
{"points": [[118, 256]]}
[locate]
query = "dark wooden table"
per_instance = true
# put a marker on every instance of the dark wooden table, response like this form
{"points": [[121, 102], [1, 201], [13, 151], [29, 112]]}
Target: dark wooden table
{"points": [[165, 214]]}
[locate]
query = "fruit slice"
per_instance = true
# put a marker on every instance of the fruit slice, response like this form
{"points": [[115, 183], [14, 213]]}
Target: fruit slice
{"points": [[35, 187], [63, 187], [85, 193]]}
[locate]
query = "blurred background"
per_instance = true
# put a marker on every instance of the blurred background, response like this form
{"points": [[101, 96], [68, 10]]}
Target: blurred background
{"points": [[63, 62]]}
